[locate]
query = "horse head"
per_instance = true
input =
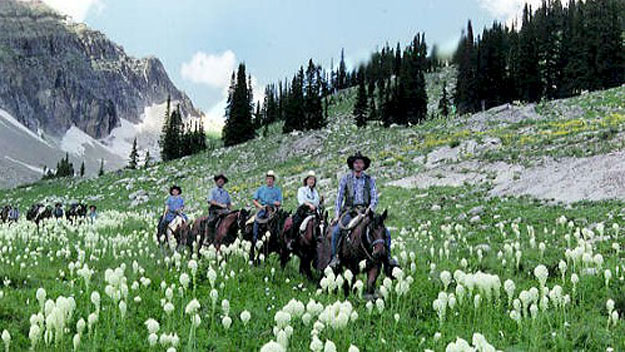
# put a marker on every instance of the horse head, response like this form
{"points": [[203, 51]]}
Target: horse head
{"points": [[322, 223], [242, 217], [375, 235], [81, 210]]}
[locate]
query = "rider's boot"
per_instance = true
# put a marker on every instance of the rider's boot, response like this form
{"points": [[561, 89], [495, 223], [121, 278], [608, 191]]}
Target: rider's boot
{"points": [[335, 263]]}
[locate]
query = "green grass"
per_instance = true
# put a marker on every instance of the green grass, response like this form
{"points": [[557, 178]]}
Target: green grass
{"points": [[436, 239]]}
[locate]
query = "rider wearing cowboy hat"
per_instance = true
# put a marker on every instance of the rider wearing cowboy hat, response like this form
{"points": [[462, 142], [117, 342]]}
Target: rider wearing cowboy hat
{"points": [[267, 196], [308, 199], [174, 205], [219, 200], [58, 210], [357, 190]]}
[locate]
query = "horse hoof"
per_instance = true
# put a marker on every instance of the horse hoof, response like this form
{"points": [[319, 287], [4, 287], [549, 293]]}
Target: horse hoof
{"points": [[369, 296]]}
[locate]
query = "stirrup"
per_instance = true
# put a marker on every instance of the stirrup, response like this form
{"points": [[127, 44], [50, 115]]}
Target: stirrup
{"points": [[335, 262]]}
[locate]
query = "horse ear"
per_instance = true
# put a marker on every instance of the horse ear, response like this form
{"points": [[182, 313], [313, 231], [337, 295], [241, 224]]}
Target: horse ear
{"points": [[384, 214]]}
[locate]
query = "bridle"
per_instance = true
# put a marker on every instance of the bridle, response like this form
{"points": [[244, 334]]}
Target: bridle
{"points": [[372, 243]]}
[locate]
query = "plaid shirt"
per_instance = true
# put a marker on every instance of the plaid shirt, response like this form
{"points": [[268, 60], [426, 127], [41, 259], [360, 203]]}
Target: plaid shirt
{"points": [[359, 186]]}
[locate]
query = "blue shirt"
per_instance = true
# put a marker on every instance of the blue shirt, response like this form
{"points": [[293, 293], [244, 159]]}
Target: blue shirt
{"points": [[219, 195], [307, 195], [359, 186], [14, 214], [174, 203], [268, 195]]}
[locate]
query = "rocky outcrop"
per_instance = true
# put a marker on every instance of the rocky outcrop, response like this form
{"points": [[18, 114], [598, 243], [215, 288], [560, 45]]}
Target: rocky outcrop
{"points": [[55, 74]]}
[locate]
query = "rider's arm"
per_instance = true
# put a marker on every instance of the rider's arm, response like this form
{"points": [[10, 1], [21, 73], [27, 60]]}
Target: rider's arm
{"points": [[301, 196], [213, 202], [374, 194], [339, 198], [279, 201], [256, 198], [228, 201], [257, 204]]}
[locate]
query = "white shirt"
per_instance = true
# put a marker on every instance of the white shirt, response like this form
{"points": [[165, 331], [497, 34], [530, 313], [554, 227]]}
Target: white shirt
{"points": [[307, 195]]}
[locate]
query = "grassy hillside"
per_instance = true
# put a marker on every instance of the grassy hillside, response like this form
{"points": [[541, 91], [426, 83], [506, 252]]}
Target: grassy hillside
{"points": [[437, 231]]}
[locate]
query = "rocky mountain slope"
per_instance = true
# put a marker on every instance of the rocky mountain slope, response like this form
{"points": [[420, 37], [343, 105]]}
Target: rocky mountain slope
{"points": [[56, 76]]}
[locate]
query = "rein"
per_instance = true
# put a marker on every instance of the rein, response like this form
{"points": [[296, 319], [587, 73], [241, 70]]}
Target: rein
{"points": [[371, 243]]}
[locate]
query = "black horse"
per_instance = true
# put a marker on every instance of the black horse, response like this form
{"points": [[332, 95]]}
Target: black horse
{"points": [[76, 210], [272, 224], [4, 213], [38, 212]]}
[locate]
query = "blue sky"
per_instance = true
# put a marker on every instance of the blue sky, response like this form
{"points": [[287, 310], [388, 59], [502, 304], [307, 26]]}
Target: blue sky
{"points": [[201, 41]]}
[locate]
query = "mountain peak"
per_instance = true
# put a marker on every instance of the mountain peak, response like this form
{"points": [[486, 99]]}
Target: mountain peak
{"points": [[56, 74]]}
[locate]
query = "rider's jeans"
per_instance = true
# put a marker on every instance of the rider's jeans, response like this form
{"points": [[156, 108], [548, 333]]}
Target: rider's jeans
{"points": [[260, 215], [336, 235]]}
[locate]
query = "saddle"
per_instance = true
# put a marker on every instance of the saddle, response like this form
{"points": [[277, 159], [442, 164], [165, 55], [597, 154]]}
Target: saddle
{"points": [[302, 227]]}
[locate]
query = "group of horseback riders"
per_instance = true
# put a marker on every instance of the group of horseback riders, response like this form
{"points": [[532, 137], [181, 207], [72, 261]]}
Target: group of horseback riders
{"points": [[38, 212], [356, 202]]}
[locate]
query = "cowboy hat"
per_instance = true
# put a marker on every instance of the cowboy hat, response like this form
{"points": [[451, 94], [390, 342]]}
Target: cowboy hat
{"points": [[173, 188], [270, 173], [222, 176], [357, 156], [309, 175]]}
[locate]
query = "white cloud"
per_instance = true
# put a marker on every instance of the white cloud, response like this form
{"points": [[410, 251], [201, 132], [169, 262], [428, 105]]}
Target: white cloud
{"points": [[76, 9], [215, 70], [210, 69], [507, 10]]}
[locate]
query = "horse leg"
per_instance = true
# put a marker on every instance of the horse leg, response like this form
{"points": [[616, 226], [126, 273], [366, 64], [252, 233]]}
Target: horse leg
{"points": [[284, 257], [304, 266], [372, 276], [346, 288]]}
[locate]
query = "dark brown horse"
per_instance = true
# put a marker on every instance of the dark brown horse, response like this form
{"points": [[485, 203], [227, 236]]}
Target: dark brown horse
{"points": [[365, 241], [303, 243], [38, 212], [225, 231], [273, 225]]}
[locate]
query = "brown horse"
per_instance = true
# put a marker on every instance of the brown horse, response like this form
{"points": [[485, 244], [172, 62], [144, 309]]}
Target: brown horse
{"points": [[365, 241], [303, 243], [176, 234], [225, 231]]}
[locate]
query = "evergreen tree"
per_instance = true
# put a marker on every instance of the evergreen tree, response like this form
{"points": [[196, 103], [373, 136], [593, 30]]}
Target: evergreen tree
{"points": [[239, 126], [412, 96], [134, 156], [64, 168], [341, 76], [101, 171], [82, 169], [373, 111], [313, 107], [163, 143], [529, 75], [148, 160], [466, 86], [443, 104], [294, 119], [360, 108]]}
